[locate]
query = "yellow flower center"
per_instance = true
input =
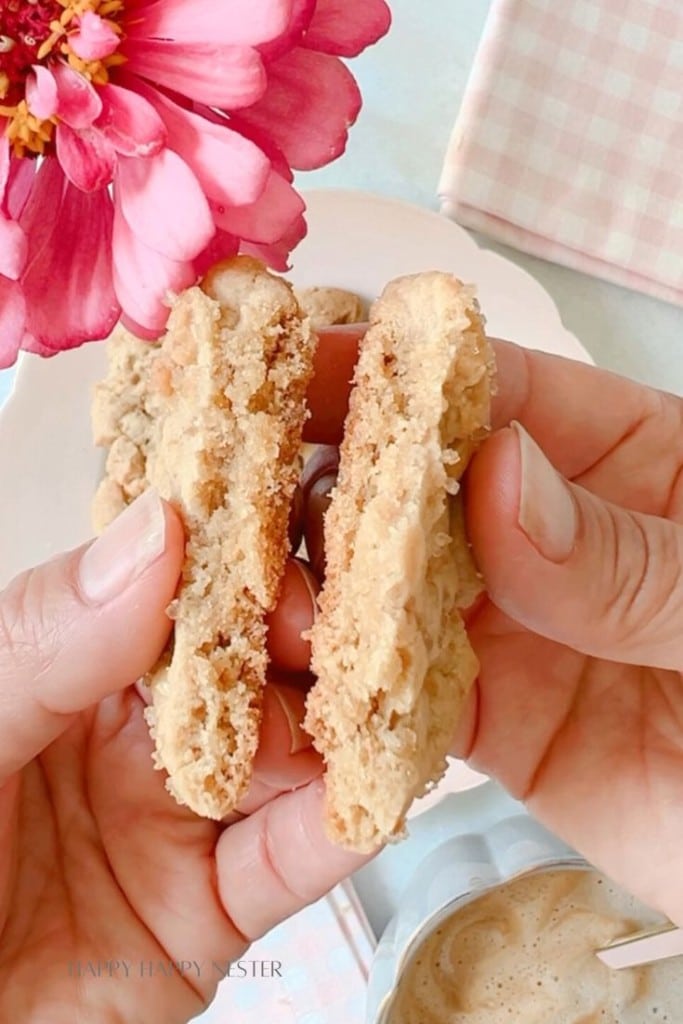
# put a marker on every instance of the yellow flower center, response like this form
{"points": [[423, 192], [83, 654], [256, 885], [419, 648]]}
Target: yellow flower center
{"points": [[37, 32]]}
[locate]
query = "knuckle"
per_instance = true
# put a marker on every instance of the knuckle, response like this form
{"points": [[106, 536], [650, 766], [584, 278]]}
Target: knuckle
{"points": [[645, 583], [31, 632], [252, 922], [660, 429], [15, 624], [672, 414]]}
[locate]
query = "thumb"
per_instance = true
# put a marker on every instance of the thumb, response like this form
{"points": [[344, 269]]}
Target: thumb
{"points": [[84, 625], [601, 579]]}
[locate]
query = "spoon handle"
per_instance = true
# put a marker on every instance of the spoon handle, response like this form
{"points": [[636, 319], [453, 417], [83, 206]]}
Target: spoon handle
{"points": [[657, 943]]}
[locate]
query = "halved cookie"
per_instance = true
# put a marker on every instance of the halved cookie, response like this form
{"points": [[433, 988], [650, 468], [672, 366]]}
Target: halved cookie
{"points": [[226, 387], [123, 415], [390, 651]]}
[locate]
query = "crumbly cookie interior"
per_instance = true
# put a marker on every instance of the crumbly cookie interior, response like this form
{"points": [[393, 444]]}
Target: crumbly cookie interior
{"points": [[219, 409], [390, 651]]}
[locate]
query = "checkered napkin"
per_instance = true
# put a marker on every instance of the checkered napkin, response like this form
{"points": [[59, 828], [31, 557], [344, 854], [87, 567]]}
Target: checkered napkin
{"points": [[313, 969], [569, 142]]}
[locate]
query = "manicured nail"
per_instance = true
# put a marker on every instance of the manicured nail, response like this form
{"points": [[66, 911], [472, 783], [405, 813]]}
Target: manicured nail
{"points": [[292, 703], [127, 547], [547, 510], [143, 691]]}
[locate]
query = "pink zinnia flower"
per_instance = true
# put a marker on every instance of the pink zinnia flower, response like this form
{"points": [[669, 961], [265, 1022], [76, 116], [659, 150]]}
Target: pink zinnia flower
{"points": [[141, 140]]}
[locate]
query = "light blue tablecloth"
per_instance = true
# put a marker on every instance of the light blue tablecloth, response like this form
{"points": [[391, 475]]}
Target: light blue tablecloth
{"points": [[413, 84]]}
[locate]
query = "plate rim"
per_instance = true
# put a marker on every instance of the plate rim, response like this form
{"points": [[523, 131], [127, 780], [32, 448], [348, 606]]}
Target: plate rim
{"points": [[336, 194]]}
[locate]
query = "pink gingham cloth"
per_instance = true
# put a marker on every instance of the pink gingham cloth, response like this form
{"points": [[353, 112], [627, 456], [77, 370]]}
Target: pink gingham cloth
{"points": [[569, 142]]}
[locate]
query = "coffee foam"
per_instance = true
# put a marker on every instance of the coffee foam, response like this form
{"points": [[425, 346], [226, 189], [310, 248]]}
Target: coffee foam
{"points": [[526, 952]]}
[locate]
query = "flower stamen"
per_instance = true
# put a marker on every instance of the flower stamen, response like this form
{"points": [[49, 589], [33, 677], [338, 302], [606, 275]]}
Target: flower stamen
{"points": [[38, 32]]}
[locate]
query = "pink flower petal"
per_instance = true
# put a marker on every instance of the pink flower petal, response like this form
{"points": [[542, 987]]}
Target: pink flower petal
{"points": [[12, 321], [277, 255], [144, 279], [5, 161], [94, 38], [221, 247], [143, 333], [311, 101], [164, 205], [87, 157], [231, 170], [67, 282], [222, 76], [21, 177], [346, 27], [237, 23], [41, 92], [79, 104], [260, 138], [129, 122], [269, 218], [29, 344], [13, 248], [300, 19], [16, 177]]}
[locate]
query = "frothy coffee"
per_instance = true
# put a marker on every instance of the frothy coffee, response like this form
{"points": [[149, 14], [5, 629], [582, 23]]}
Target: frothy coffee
{"points": [[525, 952]]}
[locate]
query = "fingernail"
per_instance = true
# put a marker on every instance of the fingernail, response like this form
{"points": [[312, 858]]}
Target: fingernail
{"points": [[292, 707], [127, 547], [547, 510], [143, 692]]}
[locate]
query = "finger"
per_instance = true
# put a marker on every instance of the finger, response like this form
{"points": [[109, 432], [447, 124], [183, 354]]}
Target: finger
{"points": [[330, 388], [296, 519], [597, 428], [83, 626], [277, 861], [323, 461], [172, 892], [285, 758], [569, 566], [466, 729], [317, 504], [318, 481], [293, 616]]}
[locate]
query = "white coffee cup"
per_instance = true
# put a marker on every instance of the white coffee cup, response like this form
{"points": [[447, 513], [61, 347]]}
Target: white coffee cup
{"points": [[455, 872]]}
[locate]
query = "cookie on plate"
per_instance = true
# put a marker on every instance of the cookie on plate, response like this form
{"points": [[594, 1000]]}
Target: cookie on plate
{"points": [[328, 307]]}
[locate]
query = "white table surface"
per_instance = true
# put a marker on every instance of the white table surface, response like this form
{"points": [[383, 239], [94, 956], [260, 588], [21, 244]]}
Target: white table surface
{"points": [[413, 83]]}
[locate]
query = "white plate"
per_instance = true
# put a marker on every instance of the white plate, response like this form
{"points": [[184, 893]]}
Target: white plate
{"points": [[48, 466]]}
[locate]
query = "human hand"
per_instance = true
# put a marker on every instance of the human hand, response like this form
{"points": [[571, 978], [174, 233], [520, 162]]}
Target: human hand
{"points": [[578, 709], [97, 862], [579, 704]]}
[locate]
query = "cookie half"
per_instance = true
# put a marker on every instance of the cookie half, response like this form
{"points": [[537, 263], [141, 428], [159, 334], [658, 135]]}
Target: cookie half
{"points": [[390, 651], [224, 401], [123, 413]]}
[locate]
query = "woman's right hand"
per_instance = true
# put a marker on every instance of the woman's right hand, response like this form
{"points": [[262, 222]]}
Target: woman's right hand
{"points": [[574, 509]]}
